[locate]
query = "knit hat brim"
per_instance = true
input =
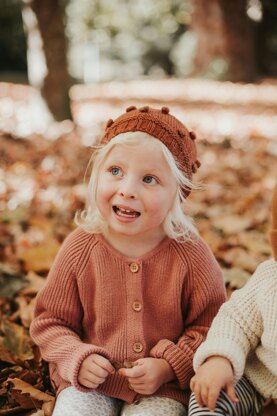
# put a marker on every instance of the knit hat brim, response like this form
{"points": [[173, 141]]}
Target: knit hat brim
{"points": [[162, 125], [273, 234]]}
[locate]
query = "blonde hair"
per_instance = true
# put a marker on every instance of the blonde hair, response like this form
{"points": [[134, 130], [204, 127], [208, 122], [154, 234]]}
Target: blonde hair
{"points": [[177, 225]]}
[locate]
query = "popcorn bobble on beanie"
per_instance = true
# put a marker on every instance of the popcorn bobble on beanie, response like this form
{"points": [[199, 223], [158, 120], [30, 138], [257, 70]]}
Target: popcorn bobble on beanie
{"points": [[273, 234], [163, 126]]}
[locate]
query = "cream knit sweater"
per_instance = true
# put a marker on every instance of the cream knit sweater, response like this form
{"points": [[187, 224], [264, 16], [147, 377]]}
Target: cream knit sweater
{"points": [[245, 331]]}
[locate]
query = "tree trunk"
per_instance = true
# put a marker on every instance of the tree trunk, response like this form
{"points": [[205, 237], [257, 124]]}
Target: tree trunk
{"points": [[56, 83], [224, 34], [266, 39]]}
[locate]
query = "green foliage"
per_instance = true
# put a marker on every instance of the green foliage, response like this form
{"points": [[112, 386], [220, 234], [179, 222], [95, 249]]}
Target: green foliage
{"points": [[143, 33]]}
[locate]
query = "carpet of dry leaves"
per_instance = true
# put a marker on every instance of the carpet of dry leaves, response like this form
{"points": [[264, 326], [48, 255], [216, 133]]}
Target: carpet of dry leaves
{"points": [[42, 186]]}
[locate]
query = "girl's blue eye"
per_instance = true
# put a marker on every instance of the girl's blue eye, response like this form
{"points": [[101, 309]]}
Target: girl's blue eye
{"points": [[115, 171], [150, 179]]}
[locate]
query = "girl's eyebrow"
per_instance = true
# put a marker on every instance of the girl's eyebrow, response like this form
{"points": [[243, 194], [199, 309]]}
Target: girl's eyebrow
{"points": [[114, 162], [147, 170]]}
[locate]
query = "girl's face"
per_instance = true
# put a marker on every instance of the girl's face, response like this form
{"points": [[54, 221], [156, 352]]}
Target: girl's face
{"points": [[135, 191]]}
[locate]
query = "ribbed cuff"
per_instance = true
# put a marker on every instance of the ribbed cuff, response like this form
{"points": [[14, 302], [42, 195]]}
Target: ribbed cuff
{"points": [[179, 360], [227, 349], [75, 361]]}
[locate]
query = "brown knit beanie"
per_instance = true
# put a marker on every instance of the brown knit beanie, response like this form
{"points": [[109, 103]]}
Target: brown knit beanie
{"points": [[273, 233], [163, 126]]}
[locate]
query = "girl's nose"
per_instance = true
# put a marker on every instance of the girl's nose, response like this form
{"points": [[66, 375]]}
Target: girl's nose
{"points": [[127, 189], [126, 194]]}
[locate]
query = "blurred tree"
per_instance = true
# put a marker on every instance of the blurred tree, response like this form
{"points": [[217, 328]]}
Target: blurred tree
{"points": [[236, 40], [267, 39], [56, 81], [225, 39], [13, 63]]}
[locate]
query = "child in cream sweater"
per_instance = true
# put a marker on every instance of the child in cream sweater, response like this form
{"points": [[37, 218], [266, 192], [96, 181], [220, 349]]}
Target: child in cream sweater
{"points": [[236, 367]]}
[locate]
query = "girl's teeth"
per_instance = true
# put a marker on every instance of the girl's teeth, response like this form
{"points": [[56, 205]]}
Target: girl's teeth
{"points": [[126, 212]]}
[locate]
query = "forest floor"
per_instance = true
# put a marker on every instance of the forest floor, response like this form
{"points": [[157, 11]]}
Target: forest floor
{"points": [[42, 185]]}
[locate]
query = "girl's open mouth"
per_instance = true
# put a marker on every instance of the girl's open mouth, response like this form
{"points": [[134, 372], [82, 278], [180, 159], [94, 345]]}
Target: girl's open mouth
{"points": [[122, 212]]}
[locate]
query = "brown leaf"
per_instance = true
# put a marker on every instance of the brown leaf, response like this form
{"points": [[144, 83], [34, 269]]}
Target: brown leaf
{"points": [[25, 401], [256, 242], [17, 341], [26, 310], [239, 258], [39, 258], [36, 283], [11, 411], [38, 396], [231, 224], [5, 354], [235, 277]]}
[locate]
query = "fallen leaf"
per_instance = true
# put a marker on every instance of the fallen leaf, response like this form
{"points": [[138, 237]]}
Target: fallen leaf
{"points": [[39, 258], [255, 242], [237, 257], [17, 341], [231, 224], [5, 354], [11, 281], [34, 394], [26, 310], [25, 400], [235, 277], [36, 283]]}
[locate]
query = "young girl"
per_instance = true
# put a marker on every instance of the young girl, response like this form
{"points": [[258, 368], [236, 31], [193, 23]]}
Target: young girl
{"points": [[242, 339], [133, 289]]}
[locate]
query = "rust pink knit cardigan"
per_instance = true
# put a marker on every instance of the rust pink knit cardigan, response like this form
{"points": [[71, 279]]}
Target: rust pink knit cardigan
{"points": [[98, 301]]}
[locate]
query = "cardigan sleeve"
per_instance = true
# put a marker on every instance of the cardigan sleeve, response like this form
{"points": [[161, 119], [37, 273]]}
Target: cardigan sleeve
{"points": [[206, 294], [56, 327], [238, 327]]}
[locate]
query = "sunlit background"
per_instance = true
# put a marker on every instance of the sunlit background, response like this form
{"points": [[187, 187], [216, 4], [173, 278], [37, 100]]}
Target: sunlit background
{"points": [[145, 50]]}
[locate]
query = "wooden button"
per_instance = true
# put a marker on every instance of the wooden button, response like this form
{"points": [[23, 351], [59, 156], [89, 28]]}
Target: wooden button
{"points": [[134, 267], [137, 347], [137, 306]]}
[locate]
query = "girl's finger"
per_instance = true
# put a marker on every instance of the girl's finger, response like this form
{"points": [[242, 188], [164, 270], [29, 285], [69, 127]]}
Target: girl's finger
{"points": [[231, 392], [133, 372], [103, 363]]}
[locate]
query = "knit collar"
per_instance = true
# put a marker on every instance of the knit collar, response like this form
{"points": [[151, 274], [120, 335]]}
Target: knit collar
{"points": [[162, 245], [273, 234]]}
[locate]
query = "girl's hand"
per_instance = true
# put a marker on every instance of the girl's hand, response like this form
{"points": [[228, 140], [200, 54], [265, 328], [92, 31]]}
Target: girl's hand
{"points": [[148, 374], [94, 371], [215, 374]]}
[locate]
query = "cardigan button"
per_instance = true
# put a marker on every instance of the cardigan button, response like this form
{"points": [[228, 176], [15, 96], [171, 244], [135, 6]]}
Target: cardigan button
{"points": [[137, 306], [134, 267], [137, 347]]}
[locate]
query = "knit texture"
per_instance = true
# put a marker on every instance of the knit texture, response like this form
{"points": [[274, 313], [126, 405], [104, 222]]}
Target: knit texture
{"points": [[87, 306], [273, 234], [163, 126], [245, 331]]}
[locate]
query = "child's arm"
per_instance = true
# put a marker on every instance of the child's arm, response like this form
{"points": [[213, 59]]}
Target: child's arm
{"points": [[203, 294], [56, 328], [238, 326], [212, 376]]}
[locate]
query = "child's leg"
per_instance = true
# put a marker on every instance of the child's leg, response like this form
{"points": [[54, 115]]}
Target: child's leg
{"points": [[154, 406], [250, 402], [73, 402]]}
